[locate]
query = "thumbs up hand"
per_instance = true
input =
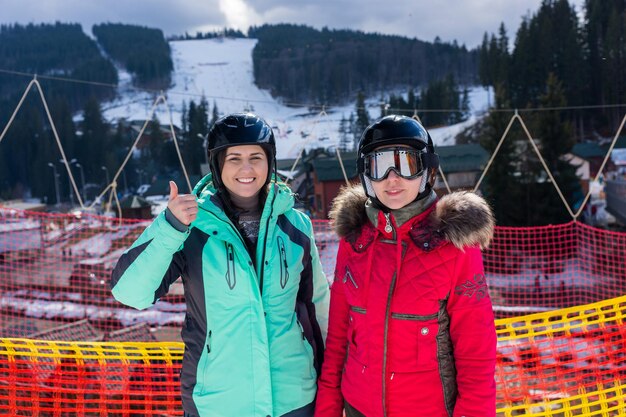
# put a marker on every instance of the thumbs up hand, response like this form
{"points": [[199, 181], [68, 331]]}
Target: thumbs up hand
{"points": [[183, 206]]}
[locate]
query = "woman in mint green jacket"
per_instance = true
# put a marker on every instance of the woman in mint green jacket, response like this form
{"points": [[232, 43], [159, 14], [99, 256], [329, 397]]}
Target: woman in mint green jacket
{"points": [[257, 299]]}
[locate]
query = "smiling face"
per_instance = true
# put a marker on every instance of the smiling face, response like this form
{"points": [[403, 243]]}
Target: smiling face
{"points": [[396, 192], [245, 170]]}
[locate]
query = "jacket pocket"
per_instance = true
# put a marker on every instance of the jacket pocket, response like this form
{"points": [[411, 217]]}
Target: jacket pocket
{"points": [[231, 277], [284, 267], [207, 352], [308, 353], [413, 342], [352, 285], [357, 334]]}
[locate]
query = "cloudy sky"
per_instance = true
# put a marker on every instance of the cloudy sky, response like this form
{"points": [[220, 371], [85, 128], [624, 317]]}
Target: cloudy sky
{"points": [[463, 20]]}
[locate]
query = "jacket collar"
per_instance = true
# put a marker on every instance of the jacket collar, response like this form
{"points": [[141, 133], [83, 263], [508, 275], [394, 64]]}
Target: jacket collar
{"points": [[400, 216], [462, 218], [280, 197]]}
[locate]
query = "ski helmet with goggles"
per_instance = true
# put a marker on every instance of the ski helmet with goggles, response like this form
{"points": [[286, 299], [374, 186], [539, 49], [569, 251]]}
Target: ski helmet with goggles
{"points": [[400, 144], [239, 129]]}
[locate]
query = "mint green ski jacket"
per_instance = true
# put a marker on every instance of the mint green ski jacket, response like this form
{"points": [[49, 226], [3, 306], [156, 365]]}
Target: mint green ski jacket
{"points": [[253, 335]]}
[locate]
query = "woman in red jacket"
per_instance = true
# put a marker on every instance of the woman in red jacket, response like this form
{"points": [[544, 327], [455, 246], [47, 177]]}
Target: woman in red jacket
{"points": [[411, 329]]}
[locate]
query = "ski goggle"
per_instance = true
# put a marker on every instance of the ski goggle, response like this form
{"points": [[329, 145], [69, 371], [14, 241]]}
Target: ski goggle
{"points": [[406, 162]]}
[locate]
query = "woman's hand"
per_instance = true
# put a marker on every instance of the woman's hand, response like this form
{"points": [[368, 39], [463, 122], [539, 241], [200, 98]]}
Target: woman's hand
{"points": [[183, 206]]}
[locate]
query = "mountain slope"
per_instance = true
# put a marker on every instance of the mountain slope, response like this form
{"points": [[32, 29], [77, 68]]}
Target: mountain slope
{"points": [[222, 71]]}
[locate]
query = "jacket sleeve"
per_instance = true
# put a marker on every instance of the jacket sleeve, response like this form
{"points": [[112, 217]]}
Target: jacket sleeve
{"points": [[329, 401], [146, 270], [472, 330]]}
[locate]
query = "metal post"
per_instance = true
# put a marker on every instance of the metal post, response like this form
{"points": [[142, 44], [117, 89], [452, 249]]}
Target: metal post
{"points": [[82, 179], [56, 182], [106, 171], [125, 183], [70, 191]]}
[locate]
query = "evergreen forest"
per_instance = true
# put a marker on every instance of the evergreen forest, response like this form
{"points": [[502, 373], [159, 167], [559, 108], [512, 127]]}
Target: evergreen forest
{"points": [[143, 51], [562, 69], [306, 65], [567, 78]]}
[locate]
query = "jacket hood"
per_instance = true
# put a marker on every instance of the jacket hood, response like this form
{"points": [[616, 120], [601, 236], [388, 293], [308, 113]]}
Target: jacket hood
{"points": [[462, 218]]}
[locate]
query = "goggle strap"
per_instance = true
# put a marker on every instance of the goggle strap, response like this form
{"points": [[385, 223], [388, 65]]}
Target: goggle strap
{"points": [[430, 160]]}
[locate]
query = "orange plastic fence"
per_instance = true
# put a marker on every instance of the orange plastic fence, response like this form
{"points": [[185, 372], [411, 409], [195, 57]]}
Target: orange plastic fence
{"points": [[569, 362], [52, 378]]}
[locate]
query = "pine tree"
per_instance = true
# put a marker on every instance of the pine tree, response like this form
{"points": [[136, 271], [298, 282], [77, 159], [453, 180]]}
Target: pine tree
{"points": [[484, 63], [344, 138], [412, 102], [155, 146], [184, 118], [66, 129], [93, 142], [501, 186], [614, 62], [215, 114], [352, 129], [501, 66], [194, 152], [547, 42], [37, 149], [555, 140], [443, 94], [362, 117]]}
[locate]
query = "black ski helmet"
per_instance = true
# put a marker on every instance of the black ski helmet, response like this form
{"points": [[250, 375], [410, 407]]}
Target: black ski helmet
{"points": [[239, 129], [398, 130]]}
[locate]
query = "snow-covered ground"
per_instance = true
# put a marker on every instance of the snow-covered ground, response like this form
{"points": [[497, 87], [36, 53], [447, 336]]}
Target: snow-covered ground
{"points": [[43, 305], [221, 70]]}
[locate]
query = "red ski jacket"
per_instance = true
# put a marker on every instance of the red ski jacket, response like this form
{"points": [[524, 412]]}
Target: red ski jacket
{"points": [[411, 329]]}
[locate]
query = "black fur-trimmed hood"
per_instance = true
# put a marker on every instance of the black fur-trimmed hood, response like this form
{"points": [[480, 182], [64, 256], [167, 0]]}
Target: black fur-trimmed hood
{"points": [[462, 218]]}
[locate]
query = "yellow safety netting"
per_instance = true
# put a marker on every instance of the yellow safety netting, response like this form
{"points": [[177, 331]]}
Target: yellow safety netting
{"points": [[568, 362]]}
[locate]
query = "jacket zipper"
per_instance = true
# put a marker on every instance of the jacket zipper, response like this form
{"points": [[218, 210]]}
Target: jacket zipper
{"points": [[208, 345], [387, 315], [284, 271], [388, 229], [230, 266], [359, 310], [347, 276], [388, 226], [392, 287], [415, 317], [267, 224]]}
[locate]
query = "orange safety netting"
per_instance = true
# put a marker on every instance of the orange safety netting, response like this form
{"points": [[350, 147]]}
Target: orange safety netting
{"points": [[566, 359], [568, 362], [533, 269], [53, 378]]}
